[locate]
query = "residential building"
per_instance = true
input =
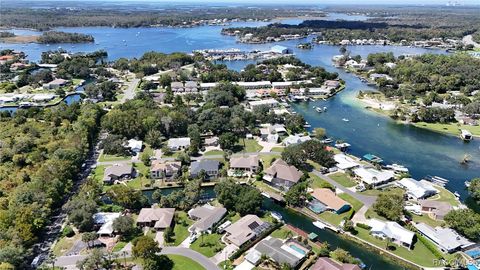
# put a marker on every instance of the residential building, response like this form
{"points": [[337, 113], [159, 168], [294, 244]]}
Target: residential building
{"points": [[296, 139], [345, 162], [281, 175], [250, 164], [435, 209], [176, 144], [376, 76], [264, 102], [445, 239], [191, 87], [168, 170], [104, 220], [206, 217], [372, 176], [209, 166], [325, 263], [207, 86], [417, 189], [135, 145], [289, 252], [156, 218], [56, 83], [177, 87], [118, 172], [331, 83], [245, 229], [255, 85], [392, 231], [212, 141], [330, 200]]}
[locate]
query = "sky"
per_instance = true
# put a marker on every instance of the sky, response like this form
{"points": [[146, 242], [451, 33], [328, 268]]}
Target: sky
{"points": [[319, 2]]}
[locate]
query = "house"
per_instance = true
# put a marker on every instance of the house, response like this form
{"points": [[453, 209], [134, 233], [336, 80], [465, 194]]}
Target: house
{"points": [[104, 220], [206, 217], [390, 65], [56, 83], [445, 239], [280, 49], [417, 189], [245, 229], [157, 218], [272, 138], [135, 145], [207, 86], [212, 141], [165, 169], [264, 102], [392, 231], [118, 172], [289, 252], [191, 86], [330, 200], [296, 139], [435, 209], [331, 84], [345, 162], [177, 87], [176, 144], [372, 176], [249, 164], [43, 97], [376, 76], [281, 175], [255, 85], [325, 263], [209, 166]]}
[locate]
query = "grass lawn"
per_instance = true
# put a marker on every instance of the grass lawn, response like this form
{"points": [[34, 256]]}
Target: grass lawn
{"points": [[265, 187], [106, 157], [64, 244], [277, 149], [335, 219], [214, 153], [282, 233], [445, 196], [180, 230], [182, 263], [268, 159], [425, 219], [208, 244], [453, 129], [317, 182], [420, 254], [372, 214], [343, 179], [376, 192], [250, 146], [235, 218]]}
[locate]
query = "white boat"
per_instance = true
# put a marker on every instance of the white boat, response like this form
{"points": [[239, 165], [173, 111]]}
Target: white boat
{"points": [[456, 194], [318, 109], [277, 216], [466, 135], [397, 168], [327, 141], [265, 195], [345, 120], [319, 224], [467, 184]]}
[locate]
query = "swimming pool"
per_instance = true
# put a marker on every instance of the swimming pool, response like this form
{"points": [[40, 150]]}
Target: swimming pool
{"points": [[316, 206], [297, 249]]}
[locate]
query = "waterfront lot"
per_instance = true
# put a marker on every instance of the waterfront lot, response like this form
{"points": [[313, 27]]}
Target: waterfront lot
{"points": [[336, 219]]}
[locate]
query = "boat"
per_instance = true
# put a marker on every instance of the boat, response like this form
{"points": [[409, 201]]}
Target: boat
{"points": [[324, 108], [265, 195], [319, 224], [397, 168], [327, 141], [342, 146], [467, 184], [345, 120], [318, 109], [466, 135], [437, 180], [456, 194], [276, 216]]}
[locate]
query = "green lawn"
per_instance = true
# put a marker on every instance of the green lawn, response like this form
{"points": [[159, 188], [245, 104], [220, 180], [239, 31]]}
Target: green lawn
{"points": [[214, 153], [282, 233], [372, 214], [420, 254], [268, 159], [453, 129], [106, 158], [250, 146], [425, 219], [180, 230], [317, 182], [376, 192], [336, 219], [64, 244], [208, 244], [277, 149], [343, 179], [445, 196], [184, 263]]}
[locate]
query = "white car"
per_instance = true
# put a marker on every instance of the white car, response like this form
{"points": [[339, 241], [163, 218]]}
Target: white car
{"points": [[193, 237]]}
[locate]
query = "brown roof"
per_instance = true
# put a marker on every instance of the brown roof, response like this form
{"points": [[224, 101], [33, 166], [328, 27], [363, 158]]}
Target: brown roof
{"points": [[324, 263], [161, 216], [243, 230], [440, 209], [171, 166], [280, 169], [329, 198], [244, 162]]}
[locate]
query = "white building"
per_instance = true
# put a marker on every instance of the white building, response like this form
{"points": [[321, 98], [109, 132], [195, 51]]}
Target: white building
{"points": [[295, 139], [392, 231], [265, 102], [135, 145], [178, 143], [105, 221], [345, 162], [255, 85], [445, 239], [417, 189], [372, 176]]}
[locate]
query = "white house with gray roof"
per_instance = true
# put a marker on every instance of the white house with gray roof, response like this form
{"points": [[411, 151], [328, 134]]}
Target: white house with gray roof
{"points": [[206, 217], [176, 144], [445, 239]]}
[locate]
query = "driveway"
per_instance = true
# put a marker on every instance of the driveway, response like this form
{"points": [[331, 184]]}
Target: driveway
{"points": [[129, 93], [366, 200], [159, 238], [224, 254], [199, 258]]}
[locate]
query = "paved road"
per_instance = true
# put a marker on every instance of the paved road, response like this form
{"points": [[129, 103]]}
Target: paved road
{"points": [[130, 91], [469, 40], [366, 200]]}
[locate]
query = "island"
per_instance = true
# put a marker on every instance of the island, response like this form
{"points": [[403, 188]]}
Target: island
{"points": [[49, 37]]}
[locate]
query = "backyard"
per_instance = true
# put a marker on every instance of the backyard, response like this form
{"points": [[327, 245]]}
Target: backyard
{"points": [[336, 219], [208, 244]]}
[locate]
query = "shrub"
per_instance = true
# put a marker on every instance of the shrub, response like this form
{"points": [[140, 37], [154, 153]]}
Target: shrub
{"points": [[68, 231], [363, 226]]}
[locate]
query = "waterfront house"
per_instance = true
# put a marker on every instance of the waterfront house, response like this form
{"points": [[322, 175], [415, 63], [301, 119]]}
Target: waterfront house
{"points": [[167, 170], [176, 144], [290, 252], [246, 165], [55, 84], [391, 230], [376, 76], [325, 263], [345, 162], [280, 49], [43, 97], [332, 84], [177, 87], [435, 209], [205, 216], [254, 85], [281, 175], [330, 200], [135, 145], [372, 176], [156, 218], [209, 166], [104, 222], [446, 239], [118, 172], [417, 189], [271, 103], [245, 229], [296, 139]]}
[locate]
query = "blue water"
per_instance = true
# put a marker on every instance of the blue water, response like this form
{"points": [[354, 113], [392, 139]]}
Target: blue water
{"points": [[297, 249]]}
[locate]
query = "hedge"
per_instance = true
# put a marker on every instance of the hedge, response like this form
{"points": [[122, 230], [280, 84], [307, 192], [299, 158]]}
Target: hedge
{"points": [[363, 226]]}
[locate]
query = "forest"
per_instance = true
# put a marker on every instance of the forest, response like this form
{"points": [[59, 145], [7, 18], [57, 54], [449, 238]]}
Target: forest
{"points": [[52, 37]]}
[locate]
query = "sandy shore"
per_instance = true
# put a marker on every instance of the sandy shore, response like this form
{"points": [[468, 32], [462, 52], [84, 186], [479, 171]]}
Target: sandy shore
{"points": [[376, 104], [20, 39]]}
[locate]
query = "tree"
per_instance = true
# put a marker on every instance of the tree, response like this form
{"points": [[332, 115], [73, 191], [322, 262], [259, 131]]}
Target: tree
{"points": [[296, 195], [465, 221], [89, 237], [227, 141], [168, 234], [145, 247], [389, 205], [158, 262], [319, 133], [295, 123], [127, 197], [80, 210], [96, 260], [343, 256], [123, 225], [240, 198], [474, 188]]}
